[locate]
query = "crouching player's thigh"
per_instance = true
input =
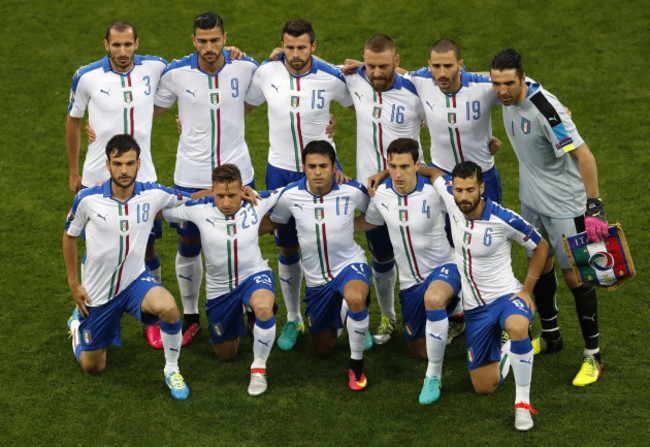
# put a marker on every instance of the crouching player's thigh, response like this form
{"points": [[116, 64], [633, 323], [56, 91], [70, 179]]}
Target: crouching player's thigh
{"points": [[484, 327], [226, 312]]}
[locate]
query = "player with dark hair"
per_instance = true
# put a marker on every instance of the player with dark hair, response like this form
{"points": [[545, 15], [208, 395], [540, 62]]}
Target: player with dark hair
{"points": [[335, 266], [558, 189], [118, 92], [210, 89], [236, 271], [117, 217], [387, 107], [429, 280], [298, 89]]}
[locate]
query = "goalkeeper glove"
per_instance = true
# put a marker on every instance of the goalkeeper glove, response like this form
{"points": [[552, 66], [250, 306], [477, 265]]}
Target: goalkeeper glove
{"points": [[595, 220]]}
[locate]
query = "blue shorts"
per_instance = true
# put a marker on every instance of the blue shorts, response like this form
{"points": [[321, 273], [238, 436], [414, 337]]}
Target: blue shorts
{"points": [[285, 235], [188, 229], [484, 325], [324, 302], [411, 300], [225, 313], [379, 243], [102, 326]]}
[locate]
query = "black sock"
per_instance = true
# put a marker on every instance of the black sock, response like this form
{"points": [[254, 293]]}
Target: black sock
{"points": [[587, 307], [458, 318], [357, 367], [189, 320], [544, 292]]}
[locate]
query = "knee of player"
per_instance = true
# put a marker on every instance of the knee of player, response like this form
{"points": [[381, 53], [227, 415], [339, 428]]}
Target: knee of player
{"points": [[263, 308], [417, 349], [517, 329], [93, 368], [435, 301], [226, 352], [170, 313], [485, 387], [323, 348]]}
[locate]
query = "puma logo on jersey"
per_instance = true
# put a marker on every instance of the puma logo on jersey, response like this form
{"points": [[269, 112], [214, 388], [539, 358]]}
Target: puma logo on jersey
{"points": [[298, 205], [429, 105], [102, 217], [385, 206], [107, 92], [552, 118], [210, 222], [277, 89], [190, 92], [358, 95], [189, 278]]}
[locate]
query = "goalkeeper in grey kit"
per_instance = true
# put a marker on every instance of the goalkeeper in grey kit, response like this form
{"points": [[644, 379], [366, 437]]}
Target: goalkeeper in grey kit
{"points": [[558, 189]]}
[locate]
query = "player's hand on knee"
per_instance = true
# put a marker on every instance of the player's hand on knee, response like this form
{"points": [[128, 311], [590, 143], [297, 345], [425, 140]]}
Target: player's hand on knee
{"points": [[525, 297]]}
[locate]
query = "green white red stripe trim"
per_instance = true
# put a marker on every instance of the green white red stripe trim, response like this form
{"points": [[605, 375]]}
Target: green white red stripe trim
{"points": [[296, 131], [454, 134], [378, 135], [129, 124], [233, 260], [321, 242], [123, 209], [215, 121], [405, 232]]}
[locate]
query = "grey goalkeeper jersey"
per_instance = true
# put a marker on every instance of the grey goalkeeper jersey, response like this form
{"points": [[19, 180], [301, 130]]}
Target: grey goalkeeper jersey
{"points": [[543, 135]]}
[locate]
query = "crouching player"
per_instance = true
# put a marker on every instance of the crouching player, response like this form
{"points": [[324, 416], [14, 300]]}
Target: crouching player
{"points": [[117, 217], [335, 266], [428, 278], [493, 299], [236, 272]]}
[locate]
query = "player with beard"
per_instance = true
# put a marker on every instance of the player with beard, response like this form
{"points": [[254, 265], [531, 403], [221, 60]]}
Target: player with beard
{"points": [[387, 108], [298, 89]]}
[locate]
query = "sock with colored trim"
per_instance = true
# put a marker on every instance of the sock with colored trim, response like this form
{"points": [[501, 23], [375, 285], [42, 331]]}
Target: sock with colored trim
{"points": [[357, 326], [344, 316], [76, 342], [171, 336], [263, 338], [290, 273], [435, 334], [385, 276], [521, 361]]}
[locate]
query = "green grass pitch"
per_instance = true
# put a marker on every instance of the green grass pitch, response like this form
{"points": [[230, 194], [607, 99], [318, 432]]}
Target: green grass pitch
{"points": [[592, 55]]}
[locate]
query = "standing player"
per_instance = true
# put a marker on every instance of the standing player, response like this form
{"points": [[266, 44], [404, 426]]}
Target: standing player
{"points": [[236, 272], [493, 299], [428, 278], [387, 108], [117, 217], [558, 189], [335, 266], [210, 89], [118, 91], [457, 105], [298, 90]]}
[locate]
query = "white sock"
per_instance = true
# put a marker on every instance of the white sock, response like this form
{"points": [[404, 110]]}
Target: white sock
{"points": [[504, 363], [344, 315], [189, 272], [522, 369], [262, 343], [357, 333], [74, 329], [385, 289], [290, 282], [435, 334], [172, 348]]}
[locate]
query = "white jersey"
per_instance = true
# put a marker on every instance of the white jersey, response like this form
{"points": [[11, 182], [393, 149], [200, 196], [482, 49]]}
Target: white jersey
{"points": [[230, 242], [543, 135], [116, 234], [382, 117], [211, 111], [298, 107], [416, 225], [460, 124], [118, 103], [483, 248], [325, 226]]}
